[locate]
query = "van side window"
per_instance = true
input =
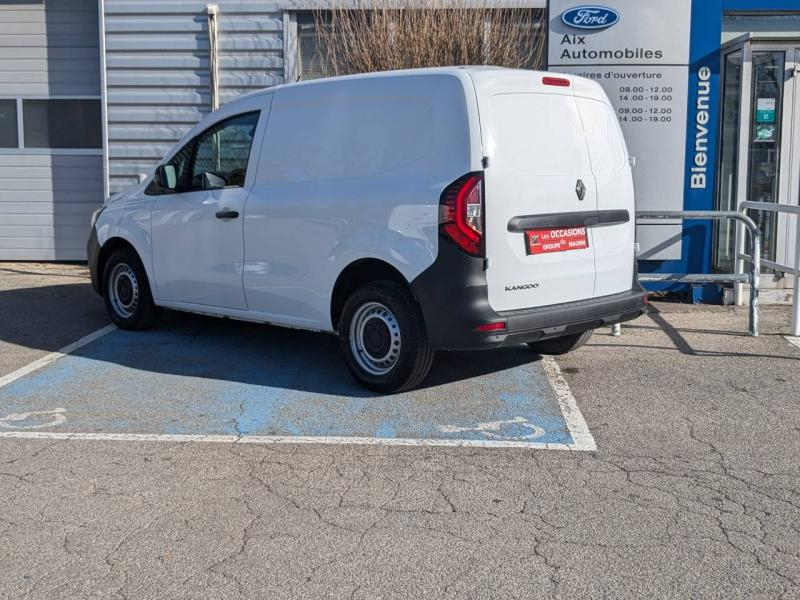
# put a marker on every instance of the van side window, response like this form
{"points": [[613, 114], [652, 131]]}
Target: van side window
{"points": [[216, 158], [181, 161], [221, 153], [606, 148]]}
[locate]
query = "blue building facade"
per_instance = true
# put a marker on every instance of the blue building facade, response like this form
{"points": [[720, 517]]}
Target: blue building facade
{"points": [[719, 28], [708, 95]]}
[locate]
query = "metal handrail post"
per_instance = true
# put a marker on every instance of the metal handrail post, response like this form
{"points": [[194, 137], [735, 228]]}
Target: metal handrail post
{"points": [[755, 274], [739, 247], [795, 270], [755, 237], [796, 286]]}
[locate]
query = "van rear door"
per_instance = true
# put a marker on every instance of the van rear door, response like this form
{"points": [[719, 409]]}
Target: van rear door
{"points": [[614, 237], [539, 193]]}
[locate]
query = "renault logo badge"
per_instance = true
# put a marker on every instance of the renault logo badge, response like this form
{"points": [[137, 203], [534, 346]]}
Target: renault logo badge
{"points": [[580, 189]]}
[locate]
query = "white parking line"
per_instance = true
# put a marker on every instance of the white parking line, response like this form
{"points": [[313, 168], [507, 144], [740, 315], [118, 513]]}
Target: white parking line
{"points": [[582, 438], [279, 439], [794, 341], [54, 356]]}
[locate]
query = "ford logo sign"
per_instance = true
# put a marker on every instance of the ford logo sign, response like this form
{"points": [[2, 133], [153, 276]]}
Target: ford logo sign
{"points": [[590, 17]]}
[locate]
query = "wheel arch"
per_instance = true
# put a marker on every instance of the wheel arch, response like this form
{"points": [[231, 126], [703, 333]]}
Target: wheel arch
{"points": [[107, 249], [358, 273]]}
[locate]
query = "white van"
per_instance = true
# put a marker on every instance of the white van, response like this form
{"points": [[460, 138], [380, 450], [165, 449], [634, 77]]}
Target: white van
{"points": [[408, 211]]}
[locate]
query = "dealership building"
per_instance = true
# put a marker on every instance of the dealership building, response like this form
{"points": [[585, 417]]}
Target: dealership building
{"points": [[93, 93]]}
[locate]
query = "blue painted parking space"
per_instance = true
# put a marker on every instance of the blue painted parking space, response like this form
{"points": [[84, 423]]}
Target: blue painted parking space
{"points": [[199, 376]]}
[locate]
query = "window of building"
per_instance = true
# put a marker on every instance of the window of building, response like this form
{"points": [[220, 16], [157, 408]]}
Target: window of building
{"points": [[512, 37], [8, 124], [62, 123], [759, 24], [313, 60]]}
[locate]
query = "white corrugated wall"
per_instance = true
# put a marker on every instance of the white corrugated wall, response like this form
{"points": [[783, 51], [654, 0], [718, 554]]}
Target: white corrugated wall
{"points": [[48, 49], [157, 71]]}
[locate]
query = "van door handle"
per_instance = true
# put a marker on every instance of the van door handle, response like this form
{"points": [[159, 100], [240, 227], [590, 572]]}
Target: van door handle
{"points": [[589, 218], [226, 214]]}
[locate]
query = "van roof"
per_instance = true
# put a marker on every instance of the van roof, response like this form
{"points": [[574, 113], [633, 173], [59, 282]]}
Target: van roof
{"points": [[460, 72], [479, 75]]}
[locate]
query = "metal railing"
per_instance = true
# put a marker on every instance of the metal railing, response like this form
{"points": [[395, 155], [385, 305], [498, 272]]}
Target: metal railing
{"points": [[741, 257], [738, 277]]}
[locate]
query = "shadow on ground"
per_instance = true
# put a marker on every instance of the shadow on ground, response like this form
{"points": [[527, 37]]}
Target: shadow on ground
{"points": [[220, 349]]}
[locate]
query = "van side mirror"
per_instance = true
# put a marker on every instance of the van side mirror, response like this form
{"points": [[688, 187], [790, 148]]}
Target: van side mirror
{"points": [[166, 177]]}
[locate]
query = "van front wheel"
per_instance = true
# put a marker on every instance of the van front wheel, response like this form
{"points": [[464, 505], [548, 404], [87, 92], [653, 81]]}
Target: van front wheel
{"points": [[383, 338], [561, 345], [127, 292]]}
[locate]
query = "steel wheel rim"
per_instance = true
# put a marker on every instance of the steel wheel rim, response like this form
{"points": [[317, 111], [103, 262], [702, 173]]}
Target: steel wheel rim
{"points": [[374, 353], [123, 290]]}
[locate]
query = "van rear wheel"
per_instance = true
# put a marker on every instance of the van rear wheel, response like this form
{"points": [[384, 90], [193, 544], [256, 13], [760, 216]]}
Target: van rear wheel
{"points": [[383, 338], [561, 345]]}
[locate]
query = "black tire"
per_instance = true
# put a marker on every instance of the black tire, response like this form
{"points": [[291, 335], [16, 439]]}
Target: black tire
{"points": [[561, 345], [130, 303], [399, 326]]}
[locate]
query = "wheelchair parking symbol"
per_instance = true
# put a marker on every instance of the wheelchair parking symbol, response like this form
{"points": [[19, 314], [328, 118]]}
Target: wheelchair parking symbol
{"points": [[34, 419], [517, 429]]}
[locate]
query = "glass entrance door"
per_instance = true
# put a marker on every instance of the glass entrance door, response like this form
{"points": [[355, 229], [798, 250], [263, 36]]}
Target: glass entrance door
{"points": [[760, 144], [727, 197], [764, 141]]}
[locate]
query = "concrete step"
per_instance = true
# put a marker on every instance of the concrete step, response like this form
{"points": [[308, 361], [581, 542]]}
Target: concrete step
{"points": [[765, 295]]}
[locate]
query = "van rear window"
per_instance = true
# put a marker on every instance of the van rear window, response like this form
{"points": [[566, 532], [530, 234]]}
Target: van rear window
{"points": [[538, 134], [606, 148]]}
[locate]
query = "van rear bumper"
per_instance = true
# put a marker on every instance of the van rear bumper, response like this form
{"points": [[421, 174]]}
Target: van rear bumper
{"points": [[535, 324], [454, 299]]}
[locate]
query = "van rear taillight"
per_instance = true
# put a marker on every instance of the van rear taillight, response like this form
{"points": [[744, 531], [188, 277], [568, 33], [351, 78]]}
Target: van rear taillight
{"points": [[556, 81], [461, 213], [496, 326]]}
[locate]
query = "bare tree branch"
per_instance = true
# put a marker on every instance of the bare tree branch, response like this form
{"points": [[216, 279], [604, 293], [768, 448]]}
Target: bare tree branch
{"points": [[364, 36]]}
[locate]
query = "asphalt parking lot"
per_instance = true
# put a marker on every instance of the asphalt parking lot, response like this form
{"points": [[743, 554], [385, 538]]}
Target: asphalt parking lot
{"points": [[214, 459]]}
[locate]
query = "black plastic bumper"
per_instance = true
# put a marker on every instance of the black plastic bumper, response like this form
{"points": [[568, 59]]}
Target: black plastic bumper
{"points": [[93, 255], [572, 317], [454, 299]]}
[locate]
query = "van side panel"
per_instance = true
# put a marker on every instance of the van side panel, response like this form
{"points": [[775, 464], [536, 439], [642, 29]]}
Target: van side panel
{"points": [[130, 221], [350, 169]]}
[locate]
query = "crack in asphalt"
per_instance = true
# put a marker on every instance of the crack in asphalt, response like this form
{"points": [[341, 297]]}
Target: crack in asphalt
{"points": [[747, 514], [697, 509]]}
